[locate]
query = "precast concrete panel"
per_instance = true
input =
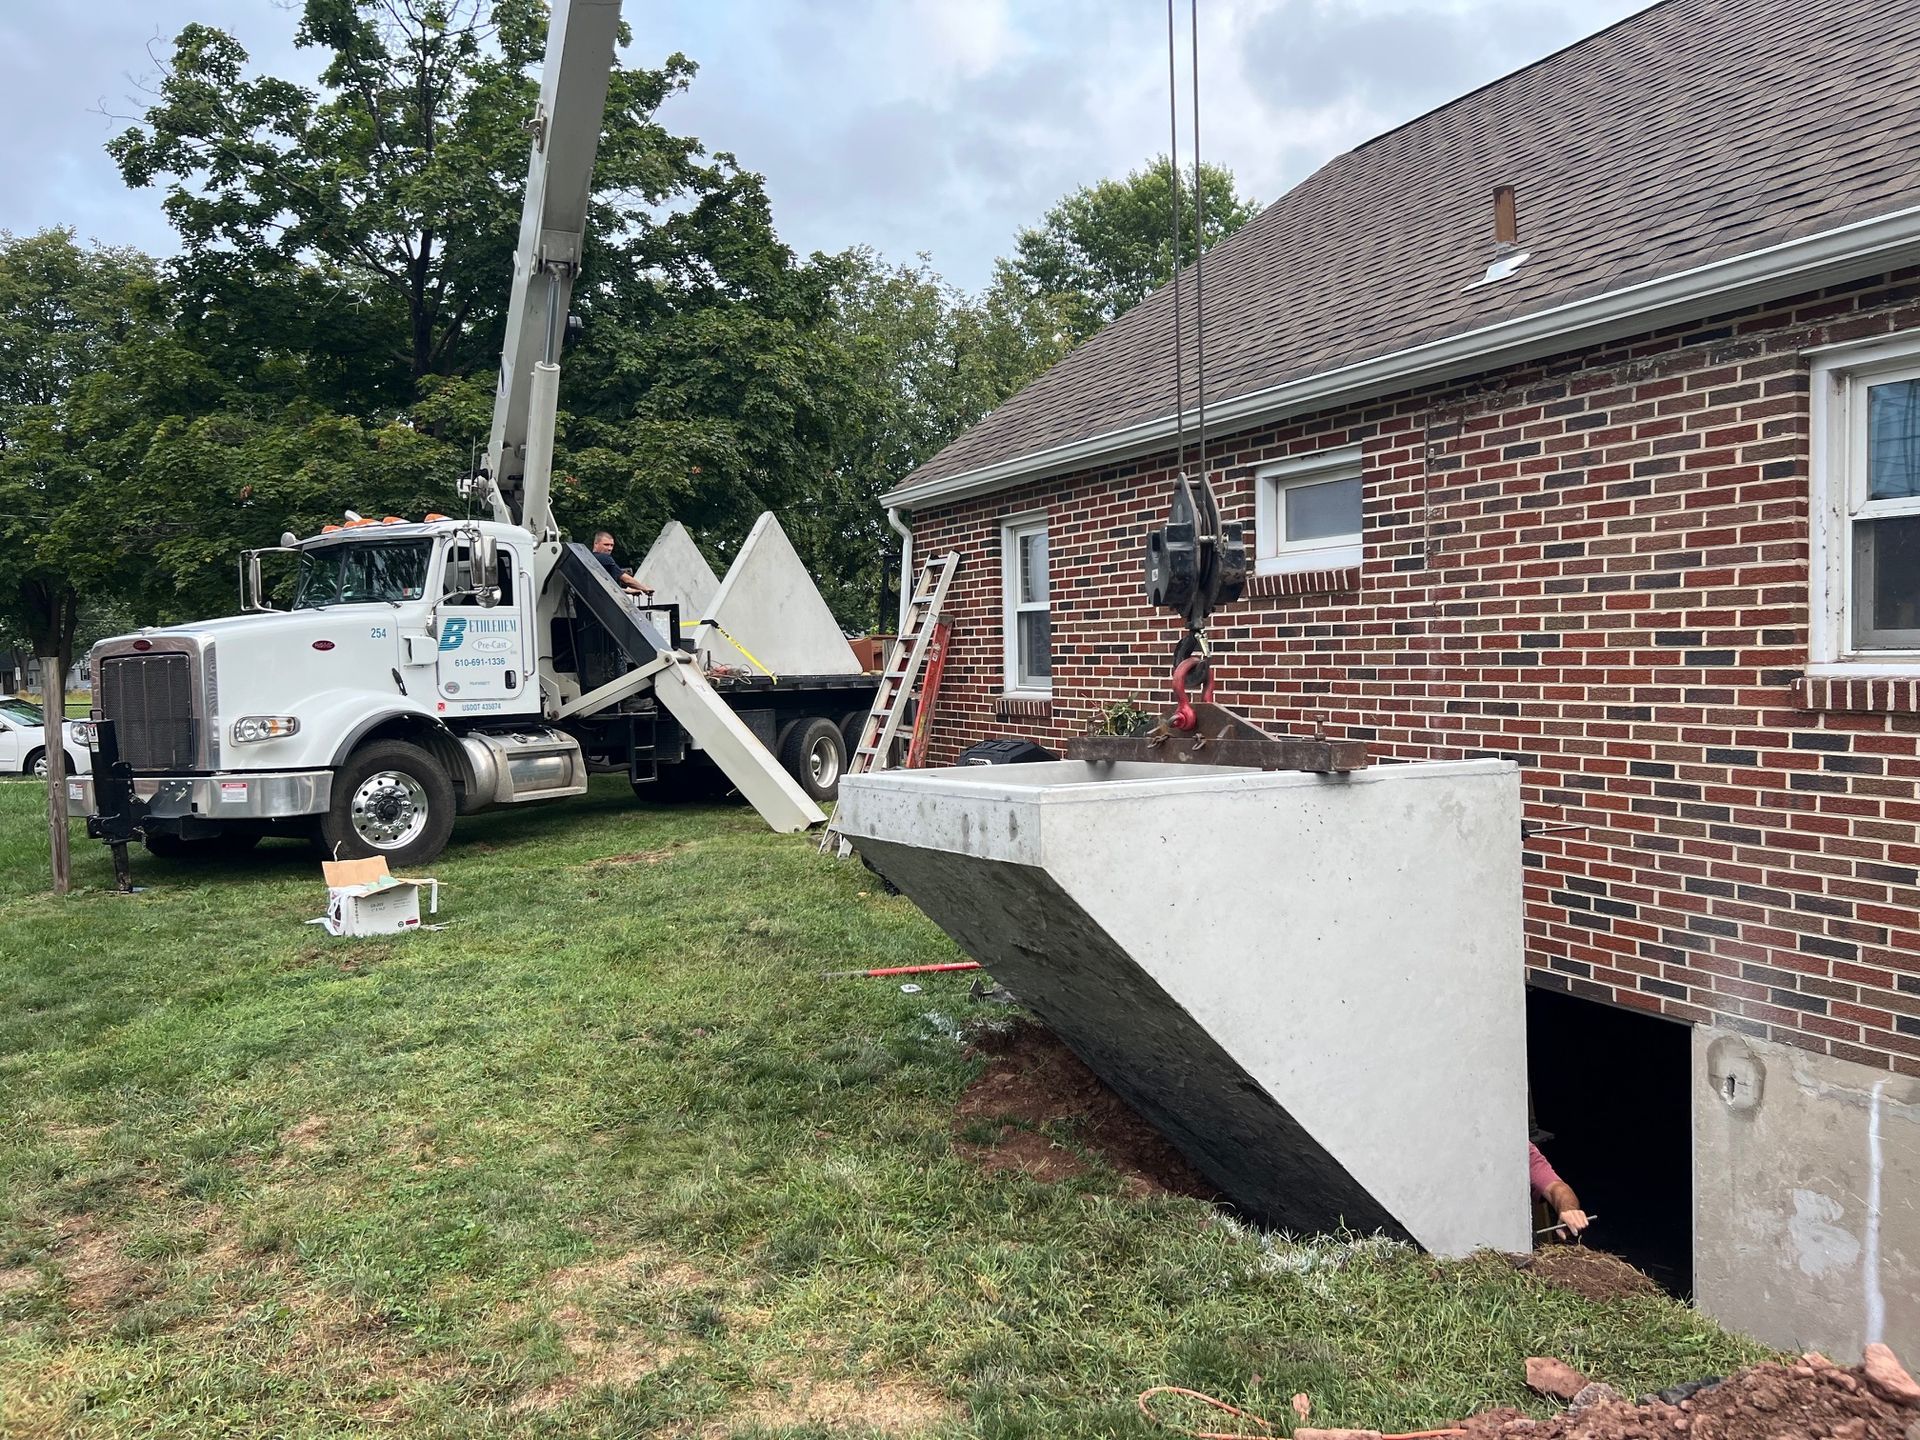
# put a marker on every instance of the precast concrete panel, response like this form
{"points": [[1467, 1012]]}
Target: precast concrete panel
{"points": [[1311, 984], [678, 574], [769, 603]]}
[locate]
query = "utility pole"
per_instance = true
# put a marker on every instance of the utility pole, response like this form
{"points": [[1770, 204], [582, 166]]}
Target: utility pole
{"points": [[53, 707]]}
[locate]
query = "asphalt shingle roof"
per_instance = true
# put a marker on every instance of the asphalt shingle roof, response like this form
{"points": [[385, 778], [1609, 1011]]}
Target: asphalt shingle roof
{"points": [[1689, 132]]}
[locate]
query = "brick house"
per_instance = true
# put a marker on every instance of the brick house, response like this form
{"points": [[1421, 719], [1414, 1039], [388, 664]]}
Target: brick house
{"points": [[1634, 501]]}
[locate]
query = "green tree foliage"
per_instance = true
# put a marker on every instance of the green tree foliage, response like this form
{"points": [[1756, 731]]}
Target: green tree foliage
{"points": [[1104, 248], [347, 265], [915, 361], [88, 359]]}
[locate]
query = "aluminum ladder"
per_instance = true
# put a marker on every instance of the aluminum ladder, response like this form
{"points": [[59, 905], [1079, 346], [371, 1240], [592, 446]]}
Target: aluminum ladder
{"points": [[881, 736]]}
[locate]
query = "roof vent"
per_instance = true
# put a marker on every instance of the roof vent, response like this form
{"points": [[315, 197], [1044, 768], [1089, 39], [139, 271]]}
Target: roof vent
{"points": [[1507, 256]]}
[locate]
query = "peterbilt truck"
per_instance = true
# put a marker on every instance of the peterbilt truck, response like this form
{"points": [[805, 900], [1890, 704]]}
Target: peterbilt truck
{"points": [[427, 669]]}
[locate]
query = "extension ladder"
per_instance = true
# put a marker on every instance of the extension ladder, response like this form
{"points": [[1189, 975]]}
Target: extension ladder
{"points": [[922, 636]]}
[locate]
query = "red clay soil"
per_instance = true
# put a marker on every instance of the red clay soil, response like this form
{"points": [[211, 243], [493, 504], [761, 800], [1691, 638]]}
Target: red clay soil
{"points": [[1035, 1089], [1810, 1400]]}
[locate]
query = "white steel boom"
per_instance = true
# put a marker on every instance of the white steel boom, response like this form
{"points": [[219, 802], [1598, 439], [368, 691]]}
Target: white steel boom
{"points": [[553, 222]]}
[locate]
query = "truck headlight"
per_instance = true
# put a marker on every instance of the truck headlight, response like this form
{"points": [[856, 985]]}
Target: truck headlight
{"points": [[249, 728]]}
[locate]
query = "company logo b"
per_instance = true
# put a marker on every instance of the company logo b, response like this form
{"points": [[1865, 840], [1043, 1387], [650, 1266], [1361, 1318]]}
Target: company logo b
{"points": [[452, 632]]}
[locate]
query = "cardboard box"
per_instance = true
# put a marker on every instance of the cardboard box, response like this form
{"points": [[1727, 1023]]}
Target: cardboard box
{"points": [[363, 899]]}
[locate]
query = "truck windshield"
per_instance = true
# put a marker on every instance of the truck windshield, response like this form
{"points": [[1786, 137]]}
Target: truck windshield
{"points": [[363, 572]]}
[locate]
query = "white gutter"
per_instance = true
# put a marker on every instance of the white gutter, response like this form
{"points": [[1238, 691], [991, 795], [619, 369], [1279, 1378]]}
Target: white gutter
{"points": [[906, 566], [1808, 263]]}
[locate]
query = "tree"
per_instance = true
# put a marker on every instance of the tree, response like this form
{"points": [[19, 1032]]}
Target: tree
{"points": [[348, 258], [1102, 249], [914, 361], [81, 332]]}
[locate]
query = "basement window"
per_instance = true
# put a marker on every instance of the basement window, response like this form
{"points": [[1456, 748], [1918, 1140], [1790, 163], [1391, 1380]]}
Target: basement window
{"points": [[1307, 512], [1866, 487], [1027, 619]]}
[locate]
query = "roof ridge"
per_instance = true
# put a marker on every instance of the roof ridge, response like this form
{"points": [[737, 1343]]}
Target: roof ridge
{"points": [[1535, 64]]}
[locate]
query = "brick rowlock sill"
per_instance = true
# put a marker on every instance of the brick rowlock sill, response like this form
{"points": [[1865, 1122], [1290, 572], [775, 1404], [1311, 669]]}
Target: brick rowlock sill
{"points": [[1024, 707], [1892, 693]]}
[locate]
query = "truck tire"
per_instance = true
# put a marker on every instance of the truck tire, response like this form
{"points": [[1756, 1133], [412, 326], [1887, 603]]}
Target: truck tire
{"points": [[814, 754], [851, 725], [390, 799], [209, 847]]}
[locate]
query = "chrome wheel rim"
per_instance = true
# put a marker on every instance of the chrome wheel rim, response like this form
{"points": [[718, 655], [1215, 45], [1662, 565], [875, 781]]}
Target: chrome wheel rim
{"points": [[823, 763], [40, 768], [389, 809]]}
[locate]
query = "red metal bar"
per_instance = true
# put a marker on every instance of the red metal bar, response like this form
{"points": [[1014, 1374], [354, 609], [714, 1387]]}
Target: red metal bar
{"points": [[903, 970]]}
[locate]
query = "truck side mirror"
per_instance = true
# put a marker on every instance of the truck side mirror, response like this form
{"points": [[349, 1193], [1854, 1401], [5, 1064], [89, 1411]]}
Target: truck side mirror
{"points": [[486, 568], [254, 583]]}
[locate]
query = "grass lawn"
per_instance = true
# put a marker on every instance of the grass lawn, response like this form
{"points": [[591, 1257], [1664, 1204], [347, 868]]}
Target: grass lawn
{"points": [[605, 1157]]}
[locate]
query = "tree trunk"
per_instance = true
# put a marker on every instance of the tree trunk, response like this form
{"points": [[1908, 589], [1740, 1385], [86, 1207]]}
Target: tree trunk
{"points": [[53, 704]]}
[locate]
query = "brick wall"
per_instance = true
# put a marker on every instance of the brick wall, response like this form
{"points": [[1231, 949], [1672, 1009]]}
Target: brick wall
{"points": [[1598, 568]]}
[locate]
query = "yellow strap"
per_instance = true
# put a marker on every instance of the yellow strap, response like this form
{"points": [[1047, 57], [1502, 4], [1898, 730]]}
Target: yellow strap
{"points": [[732, 640]]}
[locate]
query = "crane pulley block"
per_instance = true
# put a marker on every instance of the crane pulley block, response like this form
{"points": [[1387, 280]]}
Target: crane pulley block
{"points": [[1194, 562]]}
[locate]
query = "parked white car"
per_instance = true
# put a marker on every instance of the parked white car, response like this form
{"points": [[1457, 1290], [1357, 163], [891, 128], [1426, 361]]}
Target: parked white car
{"points": [[23, 748]]}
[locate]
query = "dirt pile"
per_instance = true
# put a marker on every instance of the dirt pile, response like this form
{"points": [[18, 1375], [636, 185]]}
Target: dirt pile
{"points": [[1592, 1273], [1050, 1113], [1812, 1399]]}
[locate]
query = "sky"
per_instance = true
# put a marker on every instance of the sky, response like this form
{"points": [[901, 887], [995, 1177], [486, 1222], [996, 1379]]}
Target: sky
{"points": [[936, 127]]}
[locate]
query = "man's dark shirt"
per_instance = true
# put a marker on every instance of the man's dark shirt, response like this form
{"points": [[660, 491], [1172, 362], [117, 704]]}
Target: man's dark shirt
{"points": [[613, 566]]}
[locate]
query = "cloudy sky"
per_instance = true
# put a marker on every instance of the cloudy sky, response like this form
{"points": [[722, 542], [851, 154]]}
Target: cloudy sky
{"points": [[937, 126]]}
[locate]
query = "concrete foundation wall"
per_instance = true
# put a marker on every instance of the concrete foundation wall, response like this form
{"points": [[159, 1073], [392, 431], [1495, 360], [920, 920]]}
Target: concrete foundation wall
{"points": [[1312, 984], [1806, 1196]]}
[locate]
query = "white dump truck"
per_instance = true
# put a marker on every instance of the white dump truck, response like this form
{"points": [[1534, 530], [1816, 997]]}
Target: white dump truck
{"points": [[426, 669]]}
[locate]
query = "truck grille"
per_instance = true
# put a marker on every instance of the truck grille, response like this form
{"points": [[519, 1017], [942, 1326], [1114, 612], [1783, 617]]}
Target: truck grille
{"points": [[149, 698]]}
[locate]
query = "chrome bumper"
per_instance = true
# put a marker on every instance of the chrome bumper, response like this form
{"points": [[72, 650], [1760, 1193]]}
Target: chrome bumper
{"points": [[243, 796]]}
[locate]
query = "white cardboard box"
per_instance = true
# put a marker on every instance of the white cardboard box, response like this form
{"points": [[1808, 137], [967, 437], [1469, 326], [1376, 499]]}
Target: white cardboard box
{"points": [[363, 899]]}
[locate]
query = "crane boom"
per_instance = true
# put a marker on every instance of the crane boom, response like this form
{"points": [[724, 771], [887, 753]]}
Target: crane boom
{"points": [[553, 221]]}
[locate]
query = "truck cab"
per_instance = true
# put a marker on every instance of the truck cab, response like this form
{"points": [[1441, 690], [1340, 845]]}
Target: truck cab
{"points": [[343, 712]]}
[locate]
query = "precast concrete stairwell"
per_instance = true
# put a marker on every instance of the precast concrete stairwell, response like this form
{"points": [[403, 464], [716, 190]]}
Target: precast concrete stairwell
{"points": [[1312, 984]]}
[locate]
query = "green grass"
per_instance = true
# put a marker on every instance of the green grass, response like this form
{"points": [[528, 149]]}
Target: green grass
{"points": [[605, 1157]]}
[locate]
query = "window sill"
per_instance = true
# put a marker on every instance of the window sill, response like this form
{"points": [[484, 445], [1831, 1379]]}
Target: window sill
{"points": [[1325, 581], [1860, 689], [1024, 705]]}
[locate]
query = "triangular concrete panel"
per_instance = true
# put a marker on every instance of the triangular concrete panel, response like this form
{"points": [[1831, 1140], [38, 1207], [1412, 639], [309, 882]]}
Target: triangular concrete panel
{"points": [[769, 603], [1313, 985], [678, 574]]}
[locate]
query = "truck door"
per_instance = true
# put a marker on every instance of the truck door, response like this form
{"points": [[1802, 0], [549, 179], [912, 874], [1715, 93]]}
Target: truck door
{"points": [[483, 654]]}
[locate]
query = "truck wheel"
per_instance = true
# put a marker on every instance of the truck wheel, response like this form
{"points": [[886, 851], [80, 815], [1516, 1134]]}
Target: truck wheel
{"points": [[815, 755], [390, 799], [208, 847], [851, 725]]}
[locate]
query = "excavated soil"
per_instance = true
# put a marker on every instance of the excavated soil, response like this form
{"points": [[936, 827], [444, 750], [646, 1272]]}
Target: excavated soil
{"points": [[1769, 1402], [1052, 1113], [1587, 1272]]}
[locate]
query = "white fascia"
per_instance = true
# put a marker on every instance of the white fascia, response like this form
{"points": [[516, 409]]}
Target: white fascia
{"points": [[1810, 262]]}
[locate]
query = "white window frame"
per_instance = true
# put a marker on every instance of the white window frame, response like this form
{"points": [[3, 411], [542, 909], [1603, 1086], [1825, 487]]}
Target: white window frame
{"points": [[1273, 554], [1841, 376], [1012, 529]]}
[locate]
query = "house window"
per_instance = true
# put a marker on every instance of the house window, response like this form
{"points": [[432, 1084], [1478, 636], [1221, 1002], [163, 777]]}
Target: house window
{"points": [[1307, 513], [1028, 625], [1866, 463]]}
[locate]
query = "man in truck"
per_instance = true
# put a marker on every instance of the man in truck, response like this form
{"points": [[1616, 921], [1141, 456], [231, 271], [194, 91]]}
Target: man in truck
{"points": [[603, 552]]}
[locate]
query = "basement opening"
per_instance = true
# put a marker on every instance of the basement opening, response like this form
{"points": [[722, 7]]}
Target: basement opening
{"points": [[1613, 1087]]}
